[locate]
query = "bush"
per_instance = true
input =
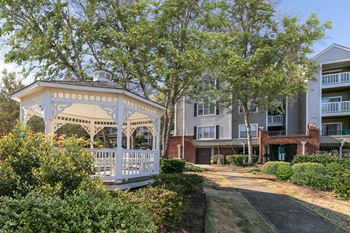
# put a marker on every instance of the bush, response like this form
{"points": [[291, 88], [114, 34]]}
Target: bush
{"points": [[271, 167], [165, 207], [217, 159], [75, 213], [323, 159], [8, 180], [312, 168], [284, 171], [190, 168], [333, 168], [172, 165], [38, 164], [312, 175], [341, 184], [181, 183], [235, 160]]}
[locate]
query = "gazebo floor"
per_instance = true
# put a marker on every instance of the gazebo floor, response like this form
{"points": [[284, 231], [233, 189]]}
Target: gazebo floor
{"points": [[129, 183]]}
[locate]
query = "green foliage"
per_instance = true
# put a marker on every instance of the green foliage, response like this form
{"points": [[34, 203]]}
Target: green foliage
{"points": [[238, 160], [165, 207], [9, 109], [334, 168], [259, 57], [284, 171], [314, 168], [38, 164], [181, 183], [172, 165], [80, 212], [190, 168], [323, 159], [8, 179], [312, 175], [217, 159], [341, 184], [271, 167]]}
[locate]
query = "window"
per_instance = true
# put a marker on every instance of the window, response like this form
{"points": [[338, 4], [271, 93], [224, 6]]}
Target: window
{"points": [[332, 128], [253, 108], [206, 132], [253, 131], [206, 109]]}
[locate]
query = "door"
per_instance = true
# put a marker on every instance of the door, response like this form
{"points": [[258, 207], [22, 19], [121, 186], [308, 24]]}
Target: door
{"points": [[203, 155], [332, 129]]}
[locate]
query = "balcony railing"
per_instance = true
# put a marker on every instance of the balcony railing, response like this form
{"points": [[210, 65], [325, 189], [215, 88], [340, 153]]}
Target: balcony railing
{"points": [[287, 133], [275, 120], [336, 107], [335, 132], [338, 78]]}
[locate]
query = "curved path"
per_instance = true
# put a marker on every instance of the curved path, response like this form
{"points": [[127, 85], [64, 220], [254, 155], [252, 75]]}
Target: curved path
{"points": [[283, 212]]}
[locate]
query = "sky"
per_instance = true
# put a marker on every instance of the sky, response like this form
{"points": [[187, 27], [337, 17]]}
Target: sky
{"points": [[338, 11]]}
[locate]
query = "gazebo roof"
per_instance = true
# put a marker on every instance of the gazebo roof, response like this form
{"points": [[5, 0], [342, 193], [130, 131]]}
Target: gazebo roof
{"points": [[94, 86]]}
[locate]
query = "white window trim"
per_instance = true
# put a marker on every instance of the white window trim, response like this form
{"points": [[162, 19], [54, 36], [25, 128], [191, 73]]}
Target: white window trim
{"points": [[330, 97], [206, 126], [257, 130], [240, 112], [204, 115], [335, 123]]}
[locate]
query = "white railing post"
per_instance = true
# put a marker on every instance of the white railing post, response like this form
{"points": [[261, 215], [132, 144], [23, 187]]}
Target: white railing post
{"points": [[120, 122]]}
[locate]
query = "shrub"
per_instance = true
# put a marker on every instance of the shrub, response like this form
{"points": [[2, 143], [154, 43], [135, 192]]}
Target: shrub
{"points": [[341, 184], [172, 165], [75, 213], [38, 164], [312, 175], [8, 180], [190, 168], [284, 171], [235, 160], [165, 207], [217, 159], [323, 159], [333, 168], [271, 167], [181, 183], [314, 168]]}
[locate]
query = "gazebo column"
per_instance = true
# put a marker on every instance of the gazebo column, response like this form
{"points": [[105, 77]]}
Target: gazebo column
{"points": [[92, 133], [128, 135], [157, 148], [119, 121], [48, 112]]}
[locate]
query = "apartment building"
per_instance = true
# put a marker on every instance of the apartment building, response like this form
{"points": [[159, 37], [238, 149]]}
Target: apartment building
{"points": [[308, 122]]}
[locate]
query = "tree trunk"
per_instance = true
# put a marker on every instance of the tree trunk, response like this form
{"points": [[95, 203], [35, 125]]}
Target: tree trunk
{"points": [[168, 119], [249, 137]]}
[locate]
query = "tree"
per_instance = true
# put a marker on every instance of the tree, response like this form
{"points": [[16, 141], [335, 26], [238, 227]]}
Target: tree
{"points": [[9, 109], [259, 58]]}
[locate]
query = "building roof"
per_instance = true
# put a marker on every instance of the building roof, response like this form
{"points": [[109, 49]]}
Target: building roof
{"points": [[97, 86], [334, 45]]}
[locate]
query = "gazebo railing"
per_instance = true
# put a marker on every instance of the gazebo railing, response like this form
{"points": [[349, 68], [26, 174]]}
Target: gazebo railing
{"points": [[134, 163]]}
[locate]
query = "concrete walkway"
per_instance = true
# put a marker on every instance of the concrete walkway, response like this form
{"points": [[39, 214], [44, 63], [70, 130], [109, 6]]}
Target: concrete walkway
{"points": [[284, 213]]}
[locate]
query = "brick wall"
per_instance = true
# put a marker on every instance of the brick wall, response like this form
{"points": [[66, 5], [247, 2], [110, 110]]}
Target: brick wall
{"points": [[312, 137], [190, 150]]}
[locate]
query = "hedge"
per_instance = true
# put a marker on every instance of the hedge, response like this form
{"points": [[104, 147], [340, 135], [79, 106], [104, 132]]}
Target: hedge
{"points": [[238, 159], [284, 171], [313, 175], [271, 167], [342, 184], [172, 165], [81, 212], [323, 159], [181, 183]]}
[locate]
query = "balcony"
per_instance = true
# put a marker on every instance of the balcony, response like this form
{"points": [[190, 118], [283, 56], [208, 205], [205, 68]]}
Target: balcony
{"points": [[336, 108], [336, 80], [275, 120]]}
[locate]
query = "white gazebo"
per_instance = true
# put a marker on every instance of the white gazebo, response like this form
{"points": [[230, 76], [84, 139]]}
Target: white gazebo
{"points": [[95, 105]]}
